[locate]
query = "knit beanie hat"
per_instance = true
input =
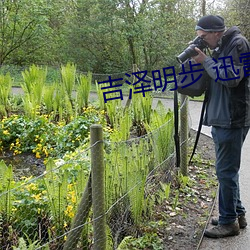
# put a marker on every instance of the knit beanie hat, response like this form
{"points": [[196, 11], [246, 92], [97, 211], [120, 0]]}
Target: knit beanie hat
{"points": [[210, 23]]}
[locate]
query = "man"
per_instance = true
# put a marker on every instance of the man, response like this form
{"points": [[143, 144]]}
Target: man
{"points": [[228, 112]]}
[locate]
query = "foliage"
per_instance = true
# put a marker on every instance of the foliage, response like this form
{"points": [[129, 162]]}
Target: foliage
{"points": [[22, 245], [43, 207], [127, 167], [147, 241], [5, 90], [34, 81], [103, 36], [236, 13], [68, 74], [22, 23], [6, 184], [43, 137], [161, 126], [142, 106], [30, 204], [112, 36], [83, 90]]}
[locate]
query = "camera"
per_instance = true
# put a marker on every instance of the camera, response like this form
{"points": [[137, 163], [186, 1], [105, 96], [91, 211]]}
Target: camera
{"points": [[190, 51]]}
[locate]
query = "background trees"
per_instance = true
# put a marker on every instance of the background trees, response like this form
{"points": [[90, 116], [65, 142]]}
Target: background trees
{"points": [[106, 36]]}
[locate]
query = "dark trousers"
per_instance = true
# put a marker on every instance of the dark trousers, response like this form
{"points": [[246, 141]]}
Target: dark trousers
{"points": [[228, 145]]}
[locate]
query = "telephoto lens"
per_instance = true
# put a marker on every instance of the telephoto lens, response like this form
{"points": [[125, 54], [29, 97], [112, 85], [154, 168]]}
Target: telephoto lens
{"points": [[190, 51]]}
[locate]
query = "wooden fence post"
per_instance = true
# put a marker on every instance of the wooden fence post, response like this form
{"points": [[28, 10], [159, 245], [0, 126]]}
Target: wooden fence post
{"points": [[98, 194]]}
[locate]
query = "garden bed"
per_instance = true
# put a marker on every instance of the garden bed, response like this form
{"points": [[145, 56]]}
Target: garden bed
{"points": [[178, 222]]}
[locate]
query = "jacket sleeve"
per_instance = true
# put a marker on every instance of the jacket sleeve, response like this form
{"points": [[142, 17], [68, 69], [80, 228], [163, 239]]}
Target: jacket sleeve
{"points": [[228, 70]]}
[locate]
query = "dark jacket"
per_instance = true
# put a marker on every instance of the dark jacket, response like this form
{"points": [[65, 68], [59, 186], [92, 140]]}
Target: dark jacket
{"points": [[228, 103]]}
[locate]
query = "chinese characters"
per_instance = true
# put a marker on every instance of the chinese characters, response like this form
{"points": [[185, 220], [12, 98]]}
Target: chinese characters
{"points": [[161, 79]]}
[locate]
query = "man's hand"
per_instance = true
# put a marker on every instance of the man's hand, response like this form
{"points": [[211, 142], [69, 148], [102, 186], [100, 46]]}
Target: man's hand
{"points": [[200, 57]]}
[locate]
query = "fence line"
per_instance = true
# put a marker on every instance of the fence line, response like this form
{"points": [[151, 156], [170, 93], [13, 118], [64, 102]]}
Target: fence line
{"points": [[164, 166]]}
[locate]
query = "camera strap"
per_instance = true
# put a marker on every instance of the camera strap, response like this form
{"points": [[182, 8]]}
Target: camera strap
{"points": [[176, 129], [199, 126]]}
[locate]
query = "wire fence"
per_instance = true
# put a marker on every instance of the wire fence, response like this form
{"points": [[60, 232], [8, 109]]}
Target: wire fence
{"points": [[57, 209], [96, 198]]}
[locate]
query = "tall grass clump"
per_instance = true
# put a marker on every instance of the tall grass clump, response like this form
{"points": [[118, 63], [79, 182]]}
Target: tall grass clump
{"points": [[127, 165], [34, 80], [68, 75], [142, 108], [161, 130], [83, 90], [5, 90]]}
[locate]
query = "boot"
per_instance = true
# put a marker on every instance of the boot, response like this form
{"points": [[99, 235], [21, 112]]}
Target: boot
{"points": [[221, 231], [241, 219]]}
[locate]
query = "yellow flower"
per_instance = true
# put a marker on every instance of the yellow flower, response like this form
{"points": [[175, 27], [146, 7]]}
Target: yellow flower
{"points": [[45, 151], [31, 187], [38, 155], [6, 132], [69, 211], [16, 152], [37, 196], [73, 199]]}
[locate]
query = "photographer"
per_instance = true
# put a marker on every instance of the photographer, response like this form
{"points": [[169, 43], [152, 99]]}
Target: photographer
{"points": [[228, 112]]}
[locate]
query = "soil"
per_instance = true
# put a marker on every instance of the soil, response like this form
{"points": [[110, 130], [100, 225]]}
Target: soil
{"points": [[25, 164], [188, 221]]}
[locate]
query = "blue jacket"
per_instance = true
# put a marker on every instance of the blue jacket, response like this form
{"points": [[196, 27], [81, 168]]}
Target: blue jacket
{"points": [[228, 104]]}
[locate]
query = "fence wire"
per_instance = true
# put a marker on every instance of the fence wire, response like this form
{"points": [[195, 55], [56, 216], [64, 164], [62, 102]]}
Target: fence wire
{"points": [[45, 210]]}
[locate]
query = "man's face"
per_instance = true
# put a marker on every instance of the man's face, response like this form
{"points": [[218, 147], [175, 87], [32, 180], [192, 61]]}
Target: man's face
{"points": [[211, 38]]}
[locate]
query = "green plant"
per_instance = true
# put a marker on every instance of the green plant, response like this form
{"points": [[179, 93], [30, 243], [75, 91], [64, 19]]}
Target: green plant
{"points": [[56, 187], [164, 191], [23, 134], [28, 245], [122, 123], [5, 90], [83, 91], [126, 172], [68, 74], [184, 181], [161, 128], [44, 137], [147, 241], [48, 98], [142, 107], [100, 96], [64, 183], [30, 208], [176, 199], [6, 184], [34, 81]]}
